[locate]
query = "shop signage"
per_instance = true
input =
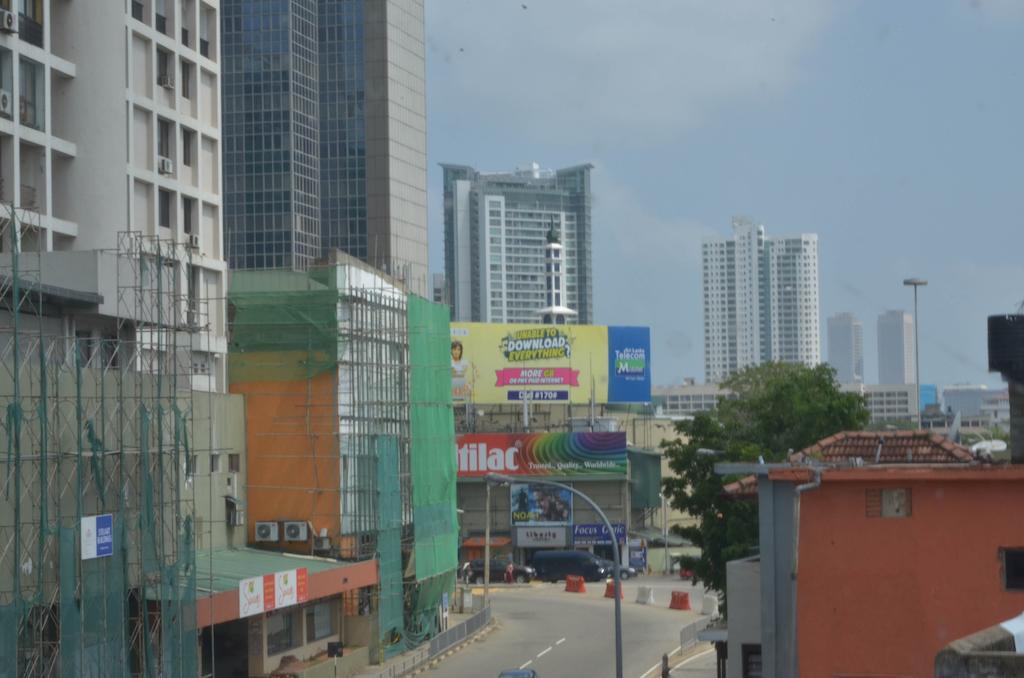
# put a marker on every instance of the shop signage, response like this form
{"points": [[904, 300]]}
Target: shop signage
{"points": [[596, 533], [541, 537], [97, 536], [272, 591], [541, 454]]}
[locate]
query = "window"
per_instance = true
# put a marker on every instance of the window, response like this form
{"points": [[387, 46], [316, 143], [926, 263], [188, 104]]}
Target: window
{"points": [[279, 633], [31, 99], [165, 209], [186, 79], [319, 621], [161, 16], [163, 67], [188, 141], [163, 138], [234, 463], [137, 10], [188, 205], [214, 462], [1013, 569], [751, 661]]}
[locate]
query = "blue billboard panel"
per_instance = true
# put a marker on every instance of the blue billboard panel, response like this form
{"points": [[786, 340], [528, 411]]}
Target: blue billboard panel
{"points": [[629, 364]]}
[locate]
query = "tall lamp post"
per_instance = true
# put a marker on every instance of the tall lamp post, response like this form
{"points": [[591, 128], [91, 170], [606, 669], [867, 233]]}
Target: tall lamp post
{"points": [[915, 283], [498, 479]]}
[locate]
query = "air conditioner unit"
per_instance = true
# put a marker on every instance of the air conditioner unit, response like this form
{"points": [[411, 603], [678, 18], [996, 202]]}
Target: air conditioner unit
{"points": [[237, 518], [193, 241], [165, 165], [266, 531], [6, 103], [165, 80], [232, 485], [296, 530], [8, 21], [321, 544]]}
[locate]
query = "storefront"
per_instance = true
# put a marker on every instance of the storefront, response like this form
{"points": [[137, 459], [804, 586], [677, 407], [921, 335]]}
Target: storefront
{"points": [[528, 516], [267, 609]]}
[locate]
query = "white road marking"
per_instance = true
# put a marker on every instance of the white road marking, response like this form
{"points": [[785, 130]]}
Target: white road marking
{"points": [[560, 642], [525, 665], [657, 667], [544, 652], [690, 659]]}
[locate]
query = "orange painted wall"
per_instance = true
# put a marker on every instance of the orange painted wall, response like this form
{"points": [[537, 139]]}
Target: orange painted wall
{"points": [[292, 453], [881, 596]]}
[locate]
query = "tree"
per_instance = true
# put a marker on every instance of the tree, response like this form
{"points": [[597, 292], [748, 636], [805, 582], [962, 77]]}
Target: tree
{"points": [[773, 409]]}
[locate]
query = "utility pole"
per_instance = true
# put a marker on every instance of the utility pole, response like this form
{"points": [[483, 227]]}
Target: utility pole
{"points": [[487, 547], [915, 283]]}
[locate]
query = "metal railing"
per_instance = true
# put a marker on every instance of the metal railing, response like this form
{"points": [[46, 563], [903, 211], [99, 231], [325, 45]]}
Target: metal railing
{"points": [[456, 634]]}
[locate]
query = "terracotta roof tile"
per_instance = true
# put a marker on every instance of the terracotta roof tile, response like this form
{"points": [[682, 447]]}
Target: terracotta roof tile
{"points": [[886, 447]]}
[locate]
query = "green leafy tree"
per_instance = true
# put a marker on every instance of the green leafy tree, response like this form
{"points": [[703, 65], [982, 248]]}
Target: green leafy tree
{"points": [[774, 409]]}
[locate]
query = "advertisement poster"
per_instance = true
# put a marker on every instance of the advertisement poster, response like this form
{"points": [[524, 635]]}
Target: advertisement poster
{"points": [[494, 363], [250, 597], [539, 505], [541, 454]]}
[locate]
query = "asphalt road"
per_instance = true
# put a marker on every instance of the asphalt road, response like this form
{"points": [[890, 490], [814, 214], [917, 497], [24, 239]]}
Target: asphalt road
{"points": [[569, 635]]}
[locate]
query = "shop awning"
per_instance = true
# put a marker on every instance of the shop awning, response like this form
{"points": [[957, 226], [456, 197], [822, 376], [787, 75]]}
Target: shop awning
{"points": [[480, 542], [220, 571]]}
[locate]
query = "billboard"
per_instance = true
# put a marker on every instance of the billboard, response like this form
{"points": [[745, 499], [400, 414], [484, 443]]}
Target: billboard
{"points": [[501, 363], [540, 505], [541, 454], [591, 534]]}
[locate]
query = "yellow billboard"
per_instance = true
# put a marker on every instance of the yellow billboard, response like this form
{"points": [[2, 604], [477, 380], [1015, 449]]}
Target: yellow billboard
{"points": [[502, 363]]}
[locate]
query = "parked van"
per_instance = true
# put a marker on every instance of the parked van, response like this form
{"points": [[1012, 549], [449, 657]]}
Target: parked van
{"points": [[555, 565]]}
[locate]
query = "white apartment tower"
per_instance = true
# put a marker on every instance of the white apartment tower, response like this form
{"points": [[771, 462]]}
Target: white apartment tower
{"points": [[109, 122], [760, 300], [895, 348], [846, 347]]}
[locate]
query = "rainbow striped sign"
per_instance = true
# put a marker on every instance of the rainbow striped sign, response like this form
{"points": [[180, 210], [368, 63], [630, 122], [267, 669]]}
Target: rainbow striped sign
{"points": [[541, 454]]}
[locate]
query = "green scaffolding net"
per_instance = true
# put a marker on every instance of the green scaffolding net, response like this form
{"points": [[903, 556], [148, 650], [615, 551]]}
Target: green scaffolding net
{"points": [[432, 434], [389, 537]]}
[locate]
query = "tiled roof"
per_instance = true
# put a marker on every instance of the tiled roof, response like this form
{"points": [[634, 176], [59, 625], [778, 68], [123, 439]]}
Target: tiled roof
{"points": [[897, 447], [885, 447]]}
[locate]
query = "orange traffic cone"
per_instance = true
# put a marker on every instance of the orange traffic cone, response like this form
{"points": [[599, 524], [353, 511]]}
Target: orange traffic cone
{"points": [[609, 590], [680, 600]]}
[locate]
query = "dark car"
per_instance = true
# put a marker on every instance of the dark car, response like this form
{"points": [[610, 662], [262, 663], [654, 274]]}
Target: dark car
{"points": [[625, 571], [521, 574], [518, 673], [555, 565]]}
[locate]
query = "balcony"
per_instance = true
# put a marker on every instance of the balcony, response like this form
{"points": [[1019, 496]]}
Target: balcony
{"points": [[30, 30]]}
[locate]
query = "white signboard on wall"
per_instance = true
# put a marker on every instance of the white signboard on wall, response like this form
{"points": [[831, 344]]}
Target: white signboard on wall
{"points": [[250, 597], [551, 536]]}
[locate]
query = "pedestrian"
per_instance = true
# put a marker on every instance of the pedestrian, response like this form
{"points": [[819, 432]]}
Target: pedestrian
{"points": [[509, 573]]}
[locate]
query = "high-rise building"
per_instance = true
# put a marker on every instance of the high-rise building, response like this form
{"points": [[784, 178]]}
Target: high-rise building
{"points": [[496, 228], [109, 124], [760, 300], [895, 348], [325, 134], [846, 348]]}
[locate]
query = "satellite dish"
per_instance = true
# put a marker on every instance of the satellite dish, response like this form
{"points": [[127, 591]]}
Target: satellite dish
{"points": [[988, 446]]}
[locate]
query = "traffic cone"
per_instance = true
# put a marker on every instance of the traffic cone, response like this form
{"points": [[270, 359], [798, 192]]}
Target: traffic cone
{"points": [[680, 600]]}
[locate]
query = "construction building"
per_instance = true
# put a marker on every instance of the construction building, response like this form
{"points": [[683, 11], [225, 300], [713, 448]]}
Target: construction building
{"points": [[107, 442], [349, 432]]}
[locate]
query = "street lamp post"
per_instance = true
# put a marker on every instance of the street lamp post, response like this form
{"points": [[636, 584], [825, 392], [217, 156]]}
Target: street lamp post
{"points": [[915, 283], [505, 480], [487, 546], [664, 530]]}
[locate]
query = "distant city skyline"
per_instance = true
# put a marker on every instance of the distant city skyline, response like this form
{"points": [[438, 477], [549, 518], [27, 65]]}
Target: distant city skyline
{"points": [[855, 121], [846, 347]]}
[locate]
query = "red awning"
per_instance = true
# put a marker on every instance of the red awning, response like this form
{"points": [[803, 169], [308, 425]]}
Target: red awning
{"points": [[478, 542]]}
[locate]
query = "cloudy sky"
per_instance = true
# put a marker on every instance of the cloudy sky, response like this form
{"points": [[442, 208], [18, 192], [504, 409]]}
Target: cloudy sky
{"points": [[893, 130]]}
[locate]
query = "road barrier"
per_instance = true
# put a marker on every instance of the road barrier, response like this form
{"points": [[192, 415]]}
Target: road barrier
{"points": [[645, 595], [680, 600], [575, 584], [609, 590]]}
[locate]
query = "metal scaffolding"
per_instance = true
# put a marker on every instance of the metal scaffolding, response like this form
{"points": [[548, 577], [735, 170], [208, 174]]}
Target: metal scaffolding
{"points": [[96, 397]]}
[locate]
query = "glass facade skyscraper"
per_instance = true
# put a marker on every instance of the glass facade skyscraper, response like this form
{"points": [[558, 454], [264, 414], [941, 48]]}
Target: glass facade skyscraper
{"points": [[306, 111]]}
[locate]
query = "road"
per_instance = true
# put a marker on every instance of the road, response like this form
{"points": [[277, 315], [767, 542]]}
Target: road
{"points": [[569, 634]]}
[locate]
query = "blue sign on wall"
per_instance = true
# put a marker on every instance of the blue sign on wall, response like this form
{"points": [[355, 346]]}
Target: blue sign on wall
{"points": [[97, 536], [629, 364], [596, 533]]}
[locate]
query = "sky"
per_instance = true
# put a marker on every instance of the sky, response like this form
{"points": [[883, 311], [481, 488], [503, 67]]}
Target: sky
{"points": [[895, 131]]}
